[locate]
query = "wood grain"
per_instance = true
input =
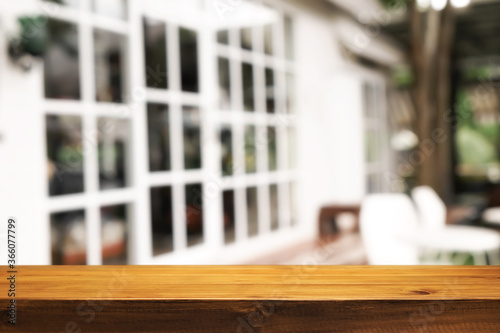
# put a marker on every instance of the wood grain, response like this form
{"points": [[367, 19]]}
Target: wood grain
{"points": [[253, 299]]}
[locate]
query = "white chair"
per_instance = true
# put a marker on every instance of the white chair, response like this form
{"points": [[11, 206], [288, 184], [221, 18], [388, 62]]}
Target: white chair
{"points": [[386, 223], [492, 216], [437, 236], [430, 207]]}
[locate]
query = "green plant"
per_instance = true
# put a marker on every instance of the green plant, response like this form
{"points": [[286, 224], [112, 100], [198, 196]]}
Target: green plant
{"points": [[32, 38], [402, 76], [390, 4]]}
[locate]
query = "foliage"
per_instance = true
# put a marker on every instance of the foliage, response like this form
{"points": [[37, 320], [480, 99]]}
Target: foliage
{"points": [[463, 109], [474, 148], [33, 36], [402, 76], [476, 143], [391, 4], [477, 73]]}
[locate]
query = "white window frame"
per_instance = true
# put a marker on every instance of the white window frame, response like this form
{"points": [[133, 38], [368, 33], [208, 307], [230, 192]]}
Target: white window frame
{"points": [[377, 121], [89, 111], [237, 119], [137, 194]]}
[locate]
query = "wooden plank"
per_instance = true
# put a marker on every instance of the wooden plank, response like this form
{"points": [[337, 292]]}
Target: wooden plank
{"points": [[253, 299]]}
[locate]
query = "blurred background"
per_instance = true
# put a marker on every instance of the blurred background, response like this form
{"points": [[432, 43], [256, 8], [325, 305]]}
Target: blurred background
{"points": [[251, 132]]}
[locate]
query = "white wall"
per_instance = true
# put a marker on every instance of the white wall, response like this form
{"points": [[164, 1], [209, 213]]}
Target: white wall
{"points": [[346, 128], [331, 151], [331, 107], [22, 158]]}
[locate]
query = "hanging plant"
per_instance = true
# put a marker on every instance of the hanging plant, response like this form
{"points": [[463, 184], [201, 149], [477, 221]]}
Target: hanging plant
{"points": [[31, 41]]}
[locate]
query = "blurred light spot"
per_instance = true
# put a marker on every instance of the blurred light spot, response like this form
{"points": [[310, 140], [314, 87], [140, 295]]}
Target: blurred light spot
{"points": [[438, 4], [460, 3]]}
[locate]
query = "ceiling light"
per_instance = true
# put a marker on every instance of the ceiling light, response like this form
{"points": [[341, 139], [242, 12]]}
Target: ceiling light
{"points": [[423, 5], [438, 4], [460, 3]]}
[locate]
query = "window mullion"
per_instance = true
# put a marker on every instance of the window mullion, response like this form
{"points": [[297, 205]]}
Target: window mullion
{"points": [[140, 213], [284, 204], [89, 137], [177, 140], [213, 226], [173, 56]]}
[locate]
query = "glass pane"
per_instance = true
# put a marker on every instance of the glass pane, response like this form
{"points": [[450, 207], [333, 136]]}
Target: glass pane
{"points": [[192, 138], [226, 139], [61, 61], [68, 238], [113, 152], [293, 204], [223, 37], [375, 107], [250, 150], [367, 103], [228, 211], [290, 93], [194, 214], [289, 45], [109, 66], [64, 154], [370, 101], [112, 8], [252, 214], [268, 39], [189, 59], [373, 148], [248, 92], [224, 84], [246, 38], [271, 148], [161, 219], [158, 137], [114, 235], [270, 99], [155, 54], [292, 147], [374, 185], [274, 206]]}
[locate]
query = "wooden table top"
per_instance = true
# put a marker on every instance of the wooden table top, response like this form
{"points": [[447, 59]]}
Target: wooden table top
{"points": [[256, 282]]}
